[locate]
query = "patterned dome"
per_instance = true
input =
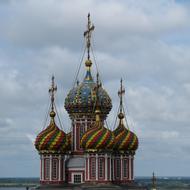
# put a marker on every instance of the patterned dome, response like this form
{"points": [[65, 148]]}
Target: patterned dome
{"points": [[98, 138], [52, 139], [125, 140], [80, 99]]}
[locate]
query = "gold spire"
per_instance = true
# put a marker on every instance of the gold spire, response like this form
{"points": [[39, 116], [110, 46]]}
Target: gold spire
{"points": [[121, 92], [52, 91], [153, 182], [87, 35], [97, 111]]}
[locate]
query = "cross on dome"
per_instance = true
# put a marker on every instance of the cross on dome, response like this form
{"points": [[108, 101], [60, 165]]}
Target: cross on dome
{"points": [[121, 92], [87, 35], [52, 91]]}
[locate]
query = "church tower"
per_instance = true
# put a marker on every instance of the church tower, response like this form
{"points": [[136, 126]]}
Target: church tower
{"points": [[52, 145], [80, 102]]}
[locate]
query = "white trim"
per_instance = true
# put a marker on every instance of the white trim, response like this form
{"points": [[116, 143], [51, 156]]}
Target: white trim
{"points": [[88, 170], [106, 167], [78, 169], [96, 167], [59, 177], [75, 131]]}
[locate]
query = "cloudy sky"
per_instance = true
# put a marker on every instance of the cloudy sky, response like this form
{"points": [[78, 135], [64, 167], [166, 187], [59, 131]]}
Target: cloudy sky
{"points": [[145, 42]]}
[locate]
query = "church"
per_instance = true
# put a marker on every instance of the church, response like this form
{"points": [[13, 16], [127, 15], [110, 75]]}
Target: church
{"points": [[90, 153]]}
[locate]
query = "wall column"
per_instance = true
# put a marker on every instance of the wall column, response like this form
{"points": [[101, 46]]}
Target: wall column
{"points": [[75, 137], [59, 178], [88, 167], [96, 166], [106, 167]]}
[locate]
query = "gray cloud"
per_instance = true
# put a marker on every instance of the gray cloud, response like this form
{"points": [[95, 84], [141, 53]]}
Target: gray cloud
{"points": [[145, 42]]}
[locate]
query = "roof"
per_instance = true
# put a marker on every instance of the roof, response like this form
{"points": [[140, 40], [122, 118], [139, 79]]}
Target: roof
{"points": [[75, 163]]}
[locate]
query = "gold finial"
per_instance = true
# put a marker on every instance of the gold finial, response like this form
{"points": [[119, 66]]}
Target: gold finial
{"points": [[153, 181], [120, 94], [52, 91], [87, 34]]}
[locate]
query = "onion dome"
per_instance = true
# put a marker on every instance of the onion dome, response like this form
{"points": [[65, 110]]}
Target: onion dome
{"points": [[52, 139], [98, 137], [125, 140], [80, 99]]}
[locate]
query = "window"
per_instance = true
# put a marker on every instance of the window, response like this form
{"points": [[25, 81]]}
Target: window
{"points": [[101, 167], [125, 168], [54, 168], [93, 168], [77, 178], [46, 168], [118, 168]]}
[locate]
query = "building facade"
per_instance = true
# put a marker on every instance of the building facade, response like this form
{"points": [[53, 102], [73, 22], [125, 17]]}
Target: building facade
{"points": [[90, 152]]}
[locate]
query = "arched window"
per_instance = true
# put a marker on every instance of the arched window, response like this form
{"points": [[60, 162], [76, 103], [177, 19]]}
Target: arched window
{"points": [[101, 167], [118, 168], [125, 168], [54, 168], [47, 168], [93, 168]]}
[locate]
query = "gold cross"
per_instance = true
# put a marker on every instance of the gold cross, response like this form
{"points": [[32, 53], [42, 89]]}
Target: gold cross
{"points": [[87, 34], [120, 94], [52, 91]]}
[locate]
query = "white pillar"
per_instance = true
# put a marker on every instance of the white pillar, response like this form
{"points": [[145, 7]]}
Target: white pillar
{"points": [[50, 167], [88, 169], [106, 167], [96, 167], [75, 138], [59, 178]]}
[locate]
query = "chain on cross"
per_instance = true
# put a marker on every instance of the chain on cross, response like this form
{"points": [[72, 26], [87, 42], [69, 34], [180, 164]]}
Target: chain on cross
{"points": [[87, 34], [52, 91]]}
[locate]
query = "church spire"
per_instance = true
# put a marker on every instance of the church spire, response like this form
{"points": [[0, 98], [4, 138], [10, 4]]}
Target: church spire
{"points": [[97, 105], [52, 91], [153, 181]]}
